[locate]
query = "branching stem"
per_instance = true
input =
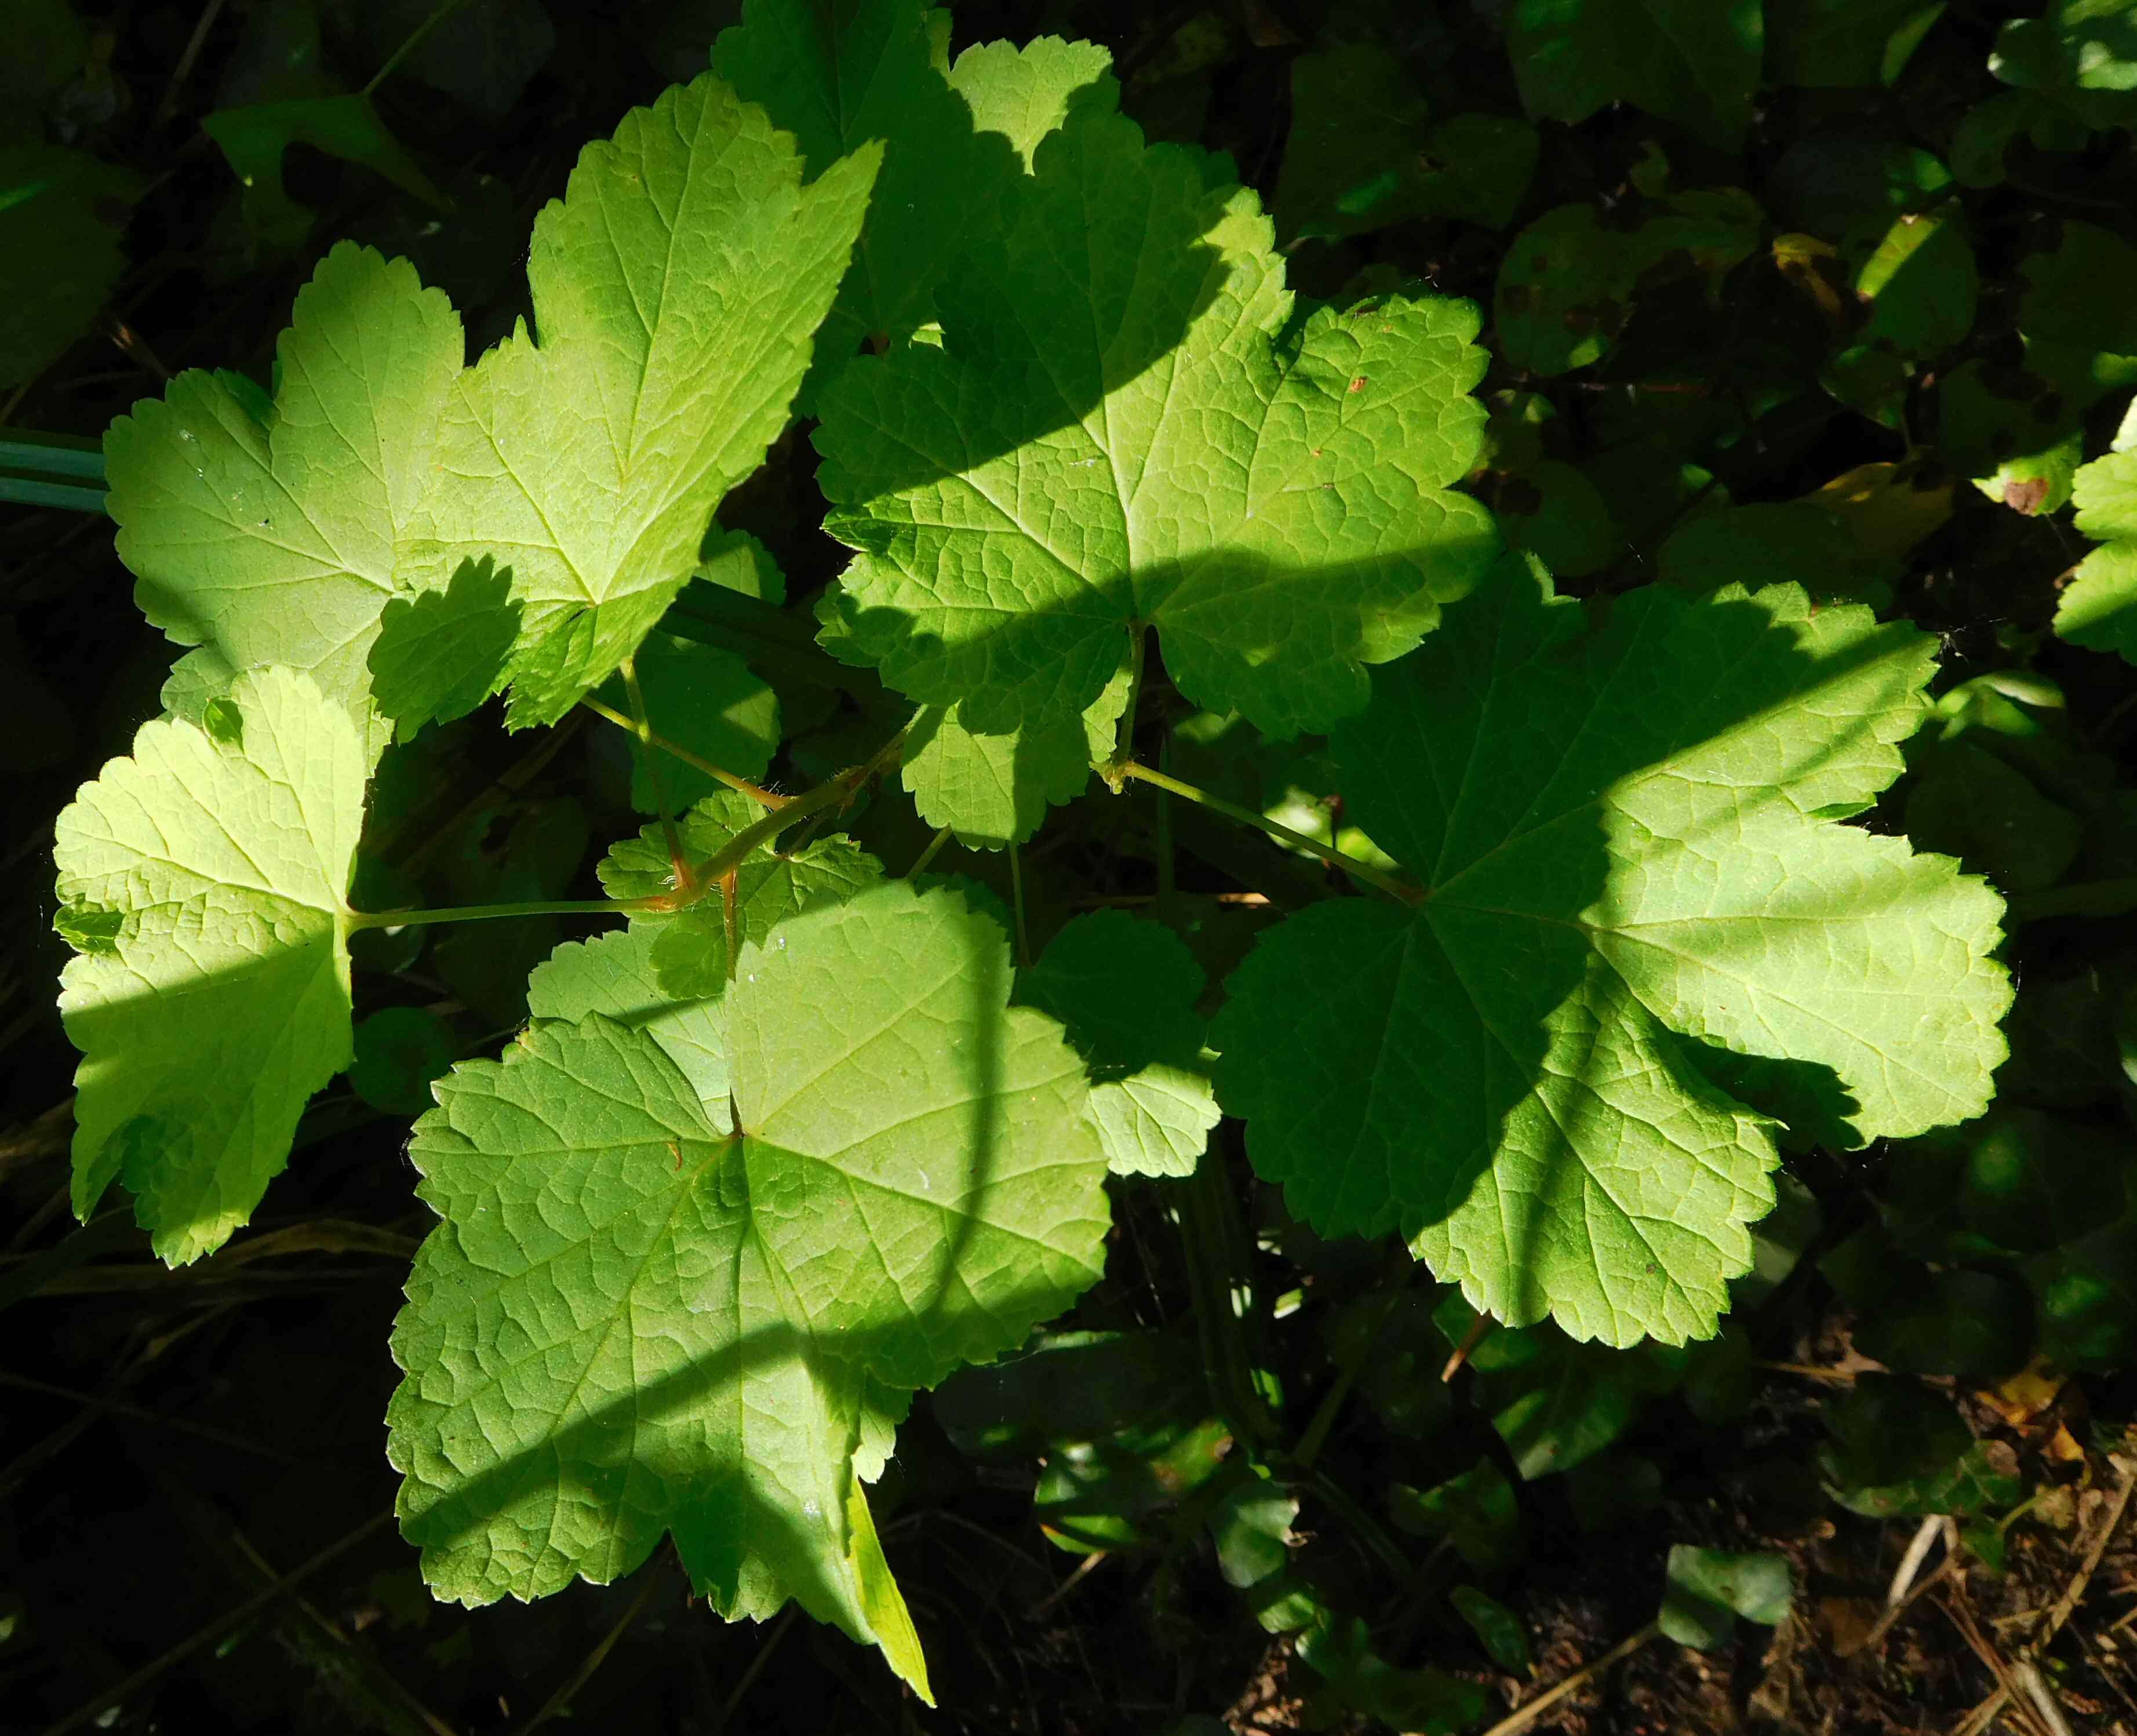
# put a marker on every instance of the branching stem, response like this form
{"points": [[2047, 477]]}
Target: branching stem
{"points": [[699, 878], [1400, 890], [1124, 735], [675, 751], [641, 726]]}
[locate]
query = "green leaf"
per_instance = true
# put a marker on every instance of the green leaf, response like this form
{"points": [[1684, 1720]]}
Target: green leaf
{"points": [[1632, 894], [2080, 332], [440, 654], [1770, 543], [399, 1051], [1554, 513], [1921, 285], [2079, 55], [1887, 1431], [1252, 1530], [1476, 1511], [613, 975], [1822, 43], [632, 1322], [1695, 62], [738, 563], [590, 463], [202, 882], [1362, 154], [1126, 991], [1427, 1702], [1565, 286], [61, 216], [1024, 95], [1504, 1635], [1103, 443], [600, 1347], [1582, 1404], [690, 948], [1103, 1495], [1977, 1324], [254, 138], [2007, 430], [838, 73], [705, 700], [903, 1107], [1968, 803], [994, 790], [1898, 1449], [1072, 1386], [1611, 1489], [48, 47], [2098, 607], [1564, 290], [1709, 1588], [268, 533], [1849, 189]]}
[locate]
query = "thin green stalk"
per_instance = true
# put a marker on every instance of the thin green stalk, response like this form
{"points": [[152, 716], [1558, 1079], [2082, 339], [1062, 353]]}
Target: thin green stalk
{"points": [[414, 40], [1168, 884], [1369, 1531], [1124, 737], [481, 912], [641, 726], [1323, 1422], [1017, 895], [934, 849], [675, 751], [29, 491], [880, 761], [1216, 1269], [50, 455], [1400, 890], [832, 793]]}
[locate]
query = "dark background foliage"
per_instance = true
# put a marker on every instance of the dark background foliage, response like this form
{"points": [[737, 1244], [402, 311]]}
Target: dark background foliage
{"points": [[1847, 309]]}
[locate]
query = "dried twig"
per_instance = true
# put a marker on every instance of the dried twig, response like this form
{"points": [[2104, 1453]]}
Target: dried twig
{"points": [[2066, 1605], [1523, 1716]]}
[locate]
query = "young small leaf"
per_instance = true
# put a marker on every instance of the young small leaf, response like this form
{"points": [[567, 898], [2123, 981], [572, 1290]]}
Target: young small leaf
{"points": [[2098, 607], [690, 951], [440, 654], [1126, 992], [994, 790], [1709, 1588], [204, 880]]}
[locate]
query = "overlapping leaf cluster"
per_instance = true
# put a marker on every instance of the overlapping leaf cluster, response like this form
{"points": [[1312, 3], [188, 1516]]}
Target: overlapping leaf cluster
{"points": [[800, 1140]]}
